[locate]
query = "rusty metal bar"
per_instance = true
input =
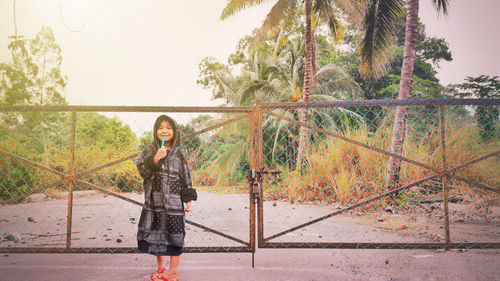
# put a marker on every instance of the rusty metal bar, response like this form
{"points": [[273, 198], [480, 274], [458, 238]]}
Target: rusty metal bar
{"points": [[24, 160], [394, 191], [259, 164], [253, 165], [78, 108], [312, 245], [101, 189], [187, 136], [355, 142], [71, 186], [352, 103], [140, 204], [444, 178], [470, 162], [86, 172], [366, 245], [382, 196], [109, 164], [378, 197], [218, 125], [398, 102], [217, 232], [476, 183], [121, 250], [93, 186], [450, 172], [252, 216], [65, 176]]}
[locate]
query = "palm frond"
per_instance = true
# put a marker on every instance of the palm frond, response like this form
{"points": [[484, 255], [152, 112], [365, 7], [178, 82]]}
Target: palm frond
{"points": [[353, 10], [378, 35], [441, 5], [278, 125], [281, 14], [327, 13], [334, 81], [344, 88], [337, 115], [332, 69], [250, 91], [234, 6]]}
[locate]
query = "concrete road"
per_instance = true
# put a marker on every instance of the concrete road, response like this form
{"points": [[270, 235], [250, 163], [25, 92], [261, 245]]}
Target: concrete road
{"points": [[270, 264]]}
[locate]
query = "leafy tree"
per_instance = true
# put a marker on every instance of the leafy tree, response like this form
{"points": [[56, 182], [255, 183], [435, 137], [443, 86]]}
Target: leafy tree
{"points": [[277, 77], [425, 82], [283, 15], [34, 78], [377, 38], [35, 75], [482, 86]]}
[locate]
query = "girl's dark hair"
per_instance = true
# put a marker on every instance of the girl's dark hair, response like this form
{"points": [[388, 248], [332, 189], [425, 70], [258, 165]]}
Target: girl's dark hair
{"points": [[170, 121]]}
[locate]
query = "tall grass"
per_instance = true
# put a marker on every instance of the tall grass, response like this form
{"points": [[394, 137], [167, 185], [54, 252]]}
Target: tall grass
{"points": [[341, 172]]}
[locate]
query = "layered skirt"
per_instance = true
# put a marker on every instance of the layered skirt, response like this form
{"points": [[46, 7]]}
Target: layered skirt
{"points": [[160, 233]]}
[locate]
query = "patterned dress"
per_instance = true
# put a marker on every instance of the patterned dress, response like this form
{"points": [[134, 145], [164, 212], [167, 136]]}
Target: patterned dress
{"points": [[161, 228]]}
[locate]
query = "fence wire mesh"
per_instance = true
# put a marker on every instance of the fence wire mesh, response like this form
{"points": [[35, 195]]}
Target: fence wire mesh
{"points": [[68, 181], [36, 165], [339, 195]]}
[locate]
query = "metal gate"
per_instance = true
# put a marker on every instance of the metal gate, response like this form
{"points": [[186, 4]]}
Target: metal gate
{"points": [[245, 165], [88, 227], [358, 210]]}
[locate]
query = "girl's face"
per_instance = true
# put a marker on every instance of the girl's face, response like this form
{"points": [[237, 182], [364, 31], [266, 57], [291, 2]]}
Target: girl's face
{"points": [[165, 130]]}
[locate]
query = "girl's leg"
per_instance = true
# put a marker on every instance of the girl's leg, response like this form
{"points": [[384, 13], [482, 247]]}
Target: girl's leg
{"points": [[174, 267], [160, 260]]}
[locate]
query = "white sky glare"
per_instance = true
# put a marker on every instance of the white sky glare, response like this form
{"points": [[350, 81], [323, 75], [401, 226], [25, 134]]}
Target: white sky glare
{"points": [[133, 52]]}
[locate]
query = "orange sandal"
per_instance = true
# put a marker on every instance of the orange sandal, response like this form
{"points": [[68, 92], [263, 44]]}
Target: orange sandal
{"points": [[158, 275]]}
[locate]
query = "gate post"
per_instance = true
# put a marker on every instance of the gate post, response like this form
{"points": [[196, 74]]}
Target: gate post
{"points": [[259, 165], [255, 159], [252, 161], [444, 177], [71, 171]]}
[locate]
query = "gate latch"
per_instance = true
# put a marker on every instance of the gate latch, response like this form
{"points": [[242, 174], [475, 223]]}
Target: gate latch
{"points": [[256, 188], [254, 182]]}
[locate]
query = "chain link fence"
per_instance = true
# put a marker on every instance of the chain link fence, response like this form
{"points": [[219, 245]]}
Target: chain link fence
{"points": [[68, 182], [446, 195]]}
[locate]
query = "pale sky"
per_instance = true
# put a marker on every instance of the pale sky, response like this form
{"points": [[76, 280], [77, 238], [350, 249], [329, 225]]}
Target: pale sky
{"points": [[133, 52]]}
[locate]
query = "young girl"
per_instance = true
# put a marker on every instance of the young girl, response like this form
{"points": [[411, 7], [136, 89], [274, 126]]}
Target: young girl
{"points": [[164, 168]]}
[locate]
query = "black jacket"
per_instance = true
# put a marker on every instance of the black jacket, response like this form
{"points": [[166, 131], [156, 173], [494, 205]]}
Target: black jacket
{"points": [[172, 169]]}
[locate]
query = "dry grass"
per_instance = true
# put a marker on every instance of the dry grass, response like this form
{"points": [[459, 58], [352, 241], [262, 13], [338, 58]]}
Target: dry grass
{"points": [[342, 172]]}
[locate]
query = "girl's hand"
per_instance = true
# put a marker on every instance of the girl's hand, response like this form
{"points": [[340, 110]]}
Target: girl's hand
{"points": [[160, 154], [188, 206]]}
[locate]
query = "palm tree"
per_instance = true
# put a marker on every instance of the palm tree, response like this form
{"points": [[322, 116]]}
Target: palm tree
{"points": [[266, 78], [379, 20], [281, 17]]}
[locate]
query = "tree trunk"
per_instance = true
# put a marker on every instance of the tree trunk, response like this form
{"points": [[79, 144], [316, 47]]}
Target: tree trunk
{"points": [[398, 133], [307, 84], [313, 58]]}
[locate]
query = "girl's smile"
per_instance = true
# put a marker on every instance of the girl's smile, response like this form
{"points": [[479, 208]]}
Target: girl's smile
{"points": [[165, 130]]}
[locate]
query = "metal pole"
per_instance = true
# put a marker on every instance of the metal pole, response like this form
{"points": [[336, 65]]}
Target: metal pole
{"points": [[252, 160], [71, 183], [444, 177], [259, 163]]}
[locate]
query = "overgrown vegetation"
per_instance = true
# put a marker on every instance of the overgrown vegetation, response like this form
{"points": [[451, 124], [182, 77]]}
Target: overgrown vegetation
{"points": [[341, 172], [334, 170]]}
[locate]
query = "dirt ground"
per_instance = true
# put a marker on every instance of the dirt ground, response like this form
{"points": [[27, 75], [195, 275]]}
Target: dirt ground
{"points": [[270, 264], [106, 221]]}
